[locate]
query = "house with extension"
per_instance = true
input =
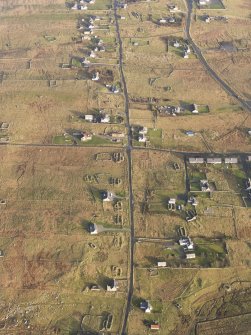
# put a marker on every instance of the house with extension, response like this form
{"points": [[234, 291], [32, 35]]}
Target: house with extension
{"points": [[112, 286], [108, 196], [95, 76], [146, 306], [93, 229], [195, 109], [204, 185]]}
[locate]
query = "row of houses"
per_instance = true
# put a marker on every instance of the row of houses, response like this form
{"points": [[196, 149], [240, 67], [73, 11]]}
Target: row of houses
{"points": [[215, 160]]}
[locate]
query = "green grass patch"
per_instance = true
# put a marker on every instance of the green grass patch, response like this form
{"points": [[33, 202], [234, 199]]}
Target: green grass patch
{"points": [[155, 136], [210, 253], [61, 139]]}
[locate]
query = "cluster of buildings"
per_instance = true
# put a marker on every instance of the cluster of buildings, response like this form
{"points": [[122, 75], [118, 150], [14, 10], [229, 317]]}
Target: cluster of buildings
{"points": [[208, 18], [86, 28], [82, 4], [170, 110], [146, 307], [113, 88], [112, 286], [140, 133], [188, 247], [101, 117], [185, 47], [168, 20]]}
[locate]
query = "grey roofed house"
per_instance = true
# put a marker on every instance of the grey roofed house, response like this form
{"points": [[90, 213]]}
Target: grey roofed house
{"points": [[196, 160], [146, 306], [231, 160], [93, 229], [214, 160], [228, 46], [190, 133]]}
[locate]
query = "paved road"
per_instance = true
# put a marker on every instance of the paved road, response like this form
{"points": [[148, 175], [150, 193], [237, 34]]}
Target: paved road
{"points": [[129, 159], [135, 148], [202, 59]]}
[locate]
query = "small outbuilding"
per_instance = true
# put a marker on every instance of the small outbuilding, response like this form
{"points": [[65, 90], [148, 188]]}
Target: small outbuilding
{"points": [[196, 160], [216, 160], [231, 160]]}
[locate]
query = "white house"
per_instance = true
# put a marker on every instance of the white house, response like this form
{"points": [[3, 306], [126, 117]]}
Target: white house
{"points": [[161, 264], [92, 54], [143, 130], [190, 256], [172, 201], [89, 117], [105, 118], [142, 138]]}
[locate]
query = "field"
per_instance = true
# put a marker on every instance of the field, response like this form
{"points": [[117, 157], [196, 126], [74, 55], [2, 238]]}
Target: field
{"points": [[50, 257]]}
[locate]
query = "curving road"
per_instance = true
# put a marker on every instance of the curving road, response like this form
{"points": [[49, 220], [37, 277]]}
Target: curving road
{"points": [[202, 59], [129, 158]]}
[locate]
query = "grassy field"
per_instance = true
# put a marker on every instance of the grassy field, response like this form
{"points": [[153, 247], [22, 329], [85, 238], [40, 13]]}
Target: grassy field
{"points": [[49, 255]]}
